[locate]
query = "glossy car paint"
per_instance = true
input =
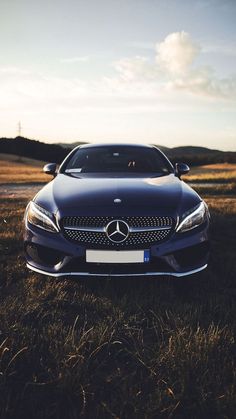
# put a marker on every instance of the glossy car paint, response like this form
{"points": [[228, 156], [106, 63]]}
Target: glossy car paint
{"points": [[136, 195]]}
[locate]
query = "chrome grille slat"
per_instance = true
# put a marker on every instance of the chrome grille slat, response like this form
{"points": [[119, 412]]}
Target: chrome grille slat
{"points": [[95, 229], [102, 221], [91, 230], [103, 229]]}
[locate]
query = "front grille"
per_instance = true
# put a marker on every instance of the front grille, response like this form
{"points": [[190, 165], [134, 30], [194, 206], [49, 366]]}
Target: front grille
{"points": [[92, 237], [86, 221], [98, 239]]}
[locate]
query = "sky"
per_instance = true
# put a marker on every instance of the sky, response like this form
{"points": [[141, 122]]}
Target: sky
{"points": [[141, 71]]}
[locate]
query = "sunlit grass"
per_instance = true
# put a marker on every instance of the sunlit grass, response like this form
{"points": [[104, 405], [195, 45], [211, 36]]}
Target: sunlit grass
{"points": [[15, 169], [224, 206], [223, 172], [213, 189]]}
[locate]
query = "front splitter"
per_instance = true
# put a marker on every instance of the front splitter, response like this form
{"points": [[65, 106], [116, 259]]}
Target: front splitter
{"points": [[111, 275]]}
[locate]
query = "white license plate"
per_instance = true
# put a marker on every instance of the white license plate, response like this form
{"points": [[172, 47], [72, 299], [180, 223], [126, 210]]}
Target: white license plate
{"points": [[117, 256]]}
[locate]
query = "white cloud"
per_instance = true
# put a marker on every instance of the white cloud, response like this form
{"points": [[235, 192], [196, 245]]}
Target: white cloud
{"points": [[136, 68], [173, 69], [177, 53], [169, 79], [202, 82]]}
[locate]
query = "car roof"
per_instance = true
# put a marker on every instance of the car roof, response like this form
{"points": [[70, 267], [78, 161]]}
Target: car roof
{"points": [[115, 145]]}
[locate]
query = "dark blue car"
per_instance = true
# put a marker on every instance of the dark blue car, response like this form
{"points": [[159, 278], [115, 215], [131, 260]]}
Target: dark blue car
{"points": [[116, 210]]}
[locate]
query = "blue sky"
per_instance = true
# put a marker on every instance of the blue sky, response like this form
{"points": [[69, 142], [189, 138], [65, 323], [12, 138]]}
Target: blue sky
{"points": [[152, 71]]}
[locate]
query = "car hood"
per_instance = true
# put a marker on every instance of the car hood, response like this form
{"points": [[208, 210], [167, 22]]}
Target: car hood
{"points": [[86, 195]]}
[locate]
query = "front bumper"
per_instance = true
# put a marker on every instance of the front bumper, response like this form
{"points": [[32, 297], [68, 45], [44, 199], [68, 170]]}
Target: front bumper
{"points": [[111, 274], [53, 255]]}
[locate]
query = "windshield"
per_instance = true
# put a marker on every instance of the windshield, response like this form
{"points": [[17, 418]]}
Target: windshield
{"points": [[117, 160]]}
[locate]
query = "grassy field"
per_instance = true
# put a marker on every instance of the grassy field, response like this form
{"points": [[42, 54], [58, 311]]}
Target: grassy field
{"points": [[156, 348], [223, 172], [15, 169]]}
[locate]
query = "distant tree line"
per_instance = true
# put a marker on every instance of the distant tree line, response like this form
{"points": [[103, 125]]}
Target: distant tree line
{"points": [[204, 159], [33, 149], [56, 153]]}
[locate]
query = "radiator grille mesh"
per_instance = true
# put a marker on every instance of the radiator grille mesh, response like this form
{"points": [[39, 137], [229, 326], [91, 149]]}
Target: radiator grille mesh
{"points": [[100, 239]]}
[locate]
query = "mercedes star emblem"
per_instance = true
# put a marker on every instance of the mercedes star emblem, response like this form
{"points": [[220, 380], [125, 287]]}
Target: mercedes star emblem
{"points": [[117, 231]]}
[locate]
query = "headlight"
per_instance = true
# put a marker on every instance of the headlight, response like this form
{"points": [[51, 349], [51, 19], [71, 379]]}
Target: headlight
{"points": [[41, 218], [193, 218]]}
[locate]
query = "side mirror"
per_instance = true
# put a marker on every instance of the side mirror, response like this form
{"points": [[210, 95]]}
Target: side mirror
{"points": [[181, 169], [50, 169]]}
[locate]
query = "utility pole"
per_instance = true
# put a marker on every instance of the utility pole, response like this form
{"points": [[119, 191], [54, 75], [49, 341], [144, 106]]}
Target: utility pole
{"points": [[19, 129]]}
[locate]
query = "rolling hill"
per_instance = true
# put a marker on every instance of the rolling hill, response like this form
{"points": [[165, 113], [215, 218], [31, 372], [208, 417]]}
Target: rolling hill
{"points": [[38, 150]]}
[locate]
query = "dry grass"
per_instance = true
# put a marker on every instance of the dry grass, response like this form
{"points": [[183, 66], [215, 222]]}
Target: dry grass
{"points": [[13, 158], [118, 349], [215, 188], [224, 206], [219, 166], [223, 173], [15, 169]]}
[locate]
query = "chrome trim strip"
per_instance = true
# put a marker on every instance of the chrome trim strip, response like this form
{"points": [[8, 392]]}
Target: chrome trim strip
{"points": [[58, 274], [131, 229], [143, 229], [95, 229]]}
